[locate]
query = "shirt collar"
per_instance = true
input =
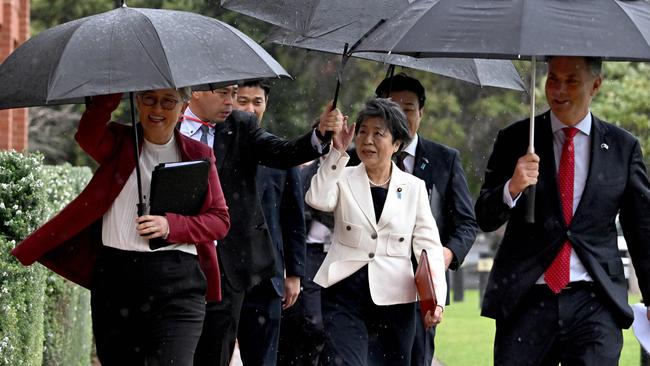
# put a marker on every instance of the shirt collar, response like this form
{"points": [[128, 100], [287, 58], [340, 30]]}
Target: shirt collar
{"points": [[411, 147], [584, 125], [188, 126]]}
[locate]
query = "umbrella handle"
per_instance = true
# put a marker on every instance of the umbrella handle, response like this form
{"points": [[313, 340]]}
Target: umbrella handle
{"points": [[328, 134], [529, 196]]}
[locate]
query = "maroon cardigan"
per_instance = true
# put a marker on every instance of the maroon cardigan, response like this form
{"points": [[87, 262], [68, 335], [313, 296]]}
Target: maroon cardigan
{"points": [[69, 243]]}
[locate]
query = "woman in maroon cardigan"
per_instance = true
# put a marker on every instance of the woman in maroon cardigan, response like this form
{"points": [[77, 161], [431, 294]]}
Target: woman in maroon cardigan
{"points": [[147, 306]]}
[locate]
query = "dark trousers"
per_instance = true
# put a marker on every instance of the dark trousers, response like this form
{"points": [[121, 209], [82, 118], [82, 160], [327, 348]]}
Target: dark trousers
{"points": [[217, 340], [259, 326], [423, 346], [360, 333], [301, 335], [574, 327], [147, 308]]}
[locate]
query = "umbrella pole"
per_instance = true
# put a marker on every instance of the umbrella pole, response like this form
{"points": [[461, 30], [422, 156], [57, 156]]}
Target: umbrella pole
{"points": [[530, 191], [142, 206], [338, 78], [389, 75]]}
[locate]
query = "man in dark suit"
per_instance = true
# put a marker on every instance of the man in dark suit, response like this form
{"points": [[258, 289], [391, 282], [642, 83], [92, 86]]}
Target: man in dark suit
{"points": [[246, 254], [282, 199], [557, 289], [451, 203], [302, 336]]}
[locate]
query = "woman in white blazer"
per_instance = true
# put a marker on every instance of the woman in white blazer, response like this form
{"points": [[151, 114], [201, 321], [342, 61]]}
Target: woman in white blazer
{"points": [[382, 217]]}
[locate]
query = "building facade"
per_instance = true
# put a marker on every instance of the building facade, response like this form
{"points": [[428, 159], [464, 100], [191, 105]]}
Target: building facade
{"points": [[14, 30]]}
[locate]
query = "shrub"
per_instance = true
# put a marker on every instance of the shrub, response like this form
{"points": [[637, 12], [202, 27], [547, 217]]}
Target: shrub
{"points": [[22, 208], [38, 309], [67, 327]]}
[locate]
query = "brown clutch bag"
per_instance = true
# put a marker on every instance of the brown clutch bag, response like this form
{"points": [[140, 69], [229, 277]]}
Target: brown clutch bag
{"points": [[424, 284]]}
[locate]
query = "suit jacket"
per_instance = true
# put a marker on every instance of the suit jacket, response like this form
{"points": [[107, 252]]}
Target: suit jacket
{"points": [[616, 182], [385, 246], [246, 253], [283, 206], [69, 243], [440, 168]]}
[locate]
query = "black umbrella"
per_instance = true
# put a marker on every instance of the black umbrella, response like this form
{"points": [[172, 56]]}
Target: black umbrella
{"points": [[517, 29], [343, 22], [319, 18], [127, 50], [496, 73]]}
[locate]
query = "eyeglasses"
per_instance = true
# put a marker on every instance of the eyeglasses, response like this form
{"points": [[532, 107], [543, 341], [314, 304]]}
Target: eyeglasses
{"points": [[150, 101]]}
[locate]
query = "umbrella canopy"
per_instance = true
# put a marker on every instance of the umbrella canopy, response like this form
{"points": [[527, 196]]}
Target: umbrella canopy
{"points": [[611, 29], [319, 18], [130, 49], [530, 29], [496, 73]]}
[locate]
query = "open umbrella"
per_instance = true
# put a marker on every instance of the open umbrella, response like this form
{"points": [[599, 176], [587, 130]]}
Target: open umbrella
{"points": [[343, 22], [517, 29], [483, 72], [128, 50], [319, 18]]}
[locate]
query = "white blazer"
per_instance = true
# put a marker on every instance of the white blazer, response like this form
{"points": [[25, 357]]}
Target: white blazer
{"points": [[406, 224]]}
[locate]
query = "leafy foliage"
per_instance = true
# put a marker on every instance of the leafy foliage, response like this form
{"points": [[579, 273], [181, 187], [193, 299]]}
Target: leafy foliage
{"points": [[38, 310]]}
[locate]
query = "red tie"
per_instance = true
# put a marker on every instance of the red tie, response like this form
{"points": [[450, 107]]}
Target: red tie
{"points": [[557, 274]]}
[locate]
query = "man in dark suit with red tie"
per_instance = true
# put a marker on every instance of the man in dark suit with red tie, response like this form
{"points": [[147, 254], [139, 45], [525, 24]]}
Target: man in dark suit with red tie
{"points": [[557, 289]]}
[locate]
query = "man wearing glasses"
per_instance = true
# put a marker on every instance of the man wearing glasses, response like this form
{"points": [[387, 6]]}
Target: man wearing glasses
{"points": [[246, 254]]}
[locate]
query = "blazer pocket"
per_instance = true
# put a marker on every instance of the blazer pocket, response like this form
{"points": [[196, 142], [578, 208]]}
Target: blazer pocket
{"points": [[350, 234], [399, 245]]}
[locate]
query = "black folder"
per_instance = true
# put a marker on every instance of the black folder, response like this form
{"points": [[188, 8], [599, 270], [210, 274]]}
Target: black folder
{"points": [[178, 188]]}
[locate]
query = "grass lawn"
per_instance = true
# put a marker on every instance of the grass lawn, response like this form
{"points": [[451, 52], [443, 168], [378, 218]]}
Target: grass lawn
{"points": [[465, 339]]}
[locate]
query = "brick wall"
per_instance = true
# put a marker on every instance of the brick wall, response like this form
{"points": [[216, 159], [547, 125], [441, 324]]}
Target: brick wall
{"points": [[14, 30]]}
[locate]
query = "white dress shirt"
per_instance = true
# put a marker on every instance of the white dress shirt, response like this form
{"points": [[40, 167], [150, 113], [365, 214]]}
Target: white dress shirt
{"points": [[192, 128], [409, 159], [582, 158], [118, 223]]}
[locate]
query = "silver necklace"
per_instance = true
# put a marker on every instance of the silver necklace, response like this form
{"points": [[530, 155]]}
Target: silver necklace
{"points": [[379, 185]]}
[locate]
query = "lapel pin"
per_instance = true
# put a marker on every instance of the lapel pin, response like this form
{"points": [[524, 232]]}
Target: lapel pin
{"points": [[399, 193], [604, 146], [425, 161]]}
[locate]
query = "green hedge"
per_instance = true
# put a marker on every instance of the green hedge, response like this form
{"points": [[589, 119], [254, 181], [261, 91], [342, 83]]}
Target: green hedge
{"points": [[38, 309]]}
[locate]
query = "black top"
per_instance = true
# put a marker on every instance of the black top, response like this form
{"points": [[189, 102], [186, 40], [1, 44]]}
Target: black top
{"points": [[378, 199]]}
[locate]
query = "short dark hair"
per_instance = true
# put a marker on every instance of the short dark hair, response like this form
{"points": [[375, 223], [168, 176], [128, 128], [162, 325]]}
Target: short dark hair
{"points": [[401, 82], [594, 64], [264, 84], [391, 113]]}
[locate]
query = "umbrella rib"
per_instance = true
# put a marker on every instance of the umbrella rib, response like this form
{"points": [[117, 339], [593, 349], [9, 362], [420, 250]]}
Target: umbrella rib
{"points": [[172, 82]]}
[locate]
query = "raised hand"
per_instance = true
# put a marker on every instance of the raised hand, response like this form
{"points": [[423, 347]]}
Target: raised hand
{"points": [[342, 139]]}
